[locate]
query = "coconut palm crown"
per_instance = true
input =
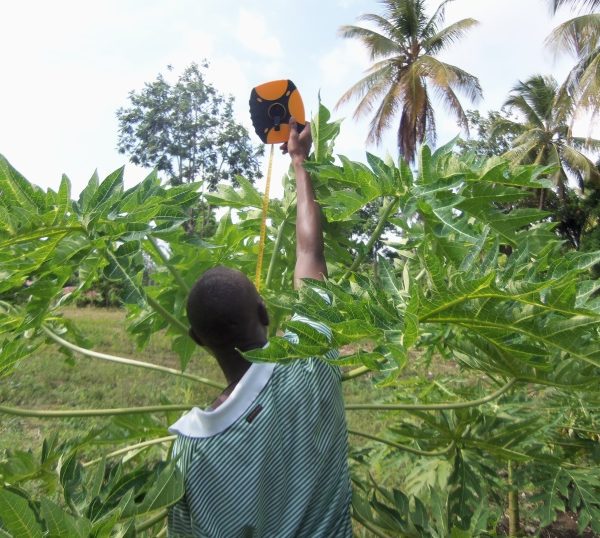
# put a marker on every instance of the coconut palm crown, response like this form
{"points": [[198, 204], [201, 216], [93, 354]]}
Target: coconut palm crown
{"points": [[406, 73], [575, 4], [543, 113], [580, 37]]}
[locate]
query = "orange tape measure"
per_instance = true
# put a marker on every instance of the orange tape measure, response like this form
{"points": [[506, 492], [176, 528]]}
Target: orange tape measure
{"points": [[271, 106]]}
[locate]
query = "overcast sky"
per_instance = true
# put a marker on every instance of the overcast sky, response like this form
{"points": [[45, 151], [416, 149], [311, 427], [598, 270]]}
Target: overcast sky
{"points": [[68, 65]]}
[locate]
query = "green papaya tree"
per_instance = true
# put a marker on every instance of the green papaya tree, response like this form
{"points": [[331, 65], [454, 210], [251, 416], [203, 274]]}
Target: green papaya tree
{"points": [[517, 333]]}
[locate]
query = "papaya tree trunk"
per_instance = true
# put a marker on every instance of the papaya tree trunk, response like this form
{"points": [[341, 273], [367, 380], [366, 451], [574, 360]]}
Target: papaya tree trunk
{"points": [[514, 527]]}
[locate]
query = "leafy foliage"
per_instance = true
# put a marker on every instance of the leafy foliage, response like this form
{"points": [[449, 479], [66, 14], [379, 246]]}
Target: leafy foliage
{"points": [[187, 130], [484, 141], [579, 37], [98, 498], [466, 280], [544, 135]]}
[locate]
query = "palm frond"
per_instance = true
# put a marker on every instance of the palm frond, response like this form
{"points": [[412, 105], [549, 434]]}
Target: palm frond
{"points": [[538, 94], [578, 36], [384, 24], [587, 92], [372, 85], [380, 87], [438, 16], [564, 109], [385, 113], [531, 137], [376, 44], [452, 104], [584, 143], [448, 35], [578, 161], [559, 177], [521, 104], [450, 75], [506, 126], [522, 153], [568, 170], [581, 4], [407, 16], [430, 131]]}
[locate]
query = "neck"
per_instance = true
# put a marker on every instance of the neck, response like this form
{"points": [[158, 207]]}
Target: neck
{"points": [[233, 364]]}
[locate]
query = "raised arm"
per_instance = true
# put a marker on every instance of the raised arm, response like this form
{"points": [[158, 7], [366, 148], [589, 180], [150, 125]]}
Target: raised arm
{"points": [[310, 255]]}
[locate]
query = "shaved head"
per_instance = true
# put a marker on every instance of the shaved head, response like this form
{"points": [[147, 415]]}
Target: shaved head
{"points": [[225, 310]]}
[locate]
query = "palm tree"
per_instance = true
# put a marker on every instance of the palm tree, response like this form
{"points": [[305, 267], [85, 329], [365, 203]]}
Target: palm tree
{"points": [[406, 72], [582, 4], [580, 37], [544, 134]]}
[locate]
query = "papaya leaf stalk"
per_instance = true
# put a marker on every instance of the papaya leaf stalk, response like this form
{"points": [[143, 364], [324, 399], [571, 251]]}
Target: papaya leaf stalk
{"points": [[433, 407], [130, 362], [388, 209], [405, 448]]}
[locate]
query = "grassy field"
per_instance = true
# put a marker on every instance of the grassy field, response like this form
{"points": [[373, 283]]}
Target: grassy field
{"points": [[46, 380]]}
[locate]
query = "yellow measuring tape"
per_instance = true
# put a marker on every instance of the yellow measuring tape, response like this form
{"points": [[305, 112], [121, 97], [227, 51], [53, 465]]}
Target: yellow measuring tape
{"points": [[263, 224]]}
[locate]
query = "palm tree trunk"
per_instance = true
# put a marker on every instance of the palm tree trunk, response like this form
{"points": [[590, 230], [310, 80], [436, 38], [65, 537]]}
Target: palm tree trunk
{"points": [[542, 199]]}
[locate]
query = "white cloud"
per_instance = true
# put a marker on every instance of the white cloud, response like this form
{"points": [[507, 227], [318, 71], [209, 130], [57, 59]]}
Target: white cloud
{"points": [[71, 66], [253, 32], [343, 66]]}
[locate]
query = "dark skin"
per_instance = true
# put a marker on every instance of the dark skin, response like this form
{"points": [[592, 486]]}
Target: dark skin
{"points": [[310, 263]]}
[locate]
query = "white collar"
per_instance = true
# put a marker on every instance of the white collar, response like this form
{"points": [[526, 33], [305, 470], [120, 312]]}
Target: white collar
{"points": [[198, 423]]}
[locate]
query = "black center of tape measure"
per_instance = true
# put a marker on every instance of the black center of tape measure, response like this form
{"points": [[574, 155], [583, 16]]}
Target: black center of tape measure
{"points": [[277, 112]]}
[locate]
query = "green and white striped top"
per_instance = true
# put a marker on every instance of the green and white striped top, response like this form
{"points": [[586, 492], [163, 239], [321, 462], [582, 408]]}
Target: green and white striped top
{"points": [[270, 461]]}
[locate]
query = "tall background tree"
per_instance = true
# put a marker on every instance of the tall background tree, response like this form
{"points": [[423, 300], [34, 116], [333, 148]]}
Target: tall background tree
{"points": [[543, 115], [485, 141], [187, 131], [581, 4], [580, 38], [406, 72]]}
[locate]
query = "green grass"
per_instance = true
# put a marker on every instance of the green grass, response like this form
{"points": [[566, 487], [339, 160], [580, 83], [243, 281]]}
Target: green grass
{"points": [[48, 380]]}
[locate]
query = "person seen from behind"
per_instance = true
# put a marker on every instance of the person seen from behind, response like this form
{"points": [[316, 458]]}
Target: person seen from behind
{"points": [[268, 459]]}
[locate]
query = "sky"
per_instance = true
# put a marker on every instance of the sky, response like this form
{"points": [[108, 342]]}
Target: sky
{"points": [[68, 65]]}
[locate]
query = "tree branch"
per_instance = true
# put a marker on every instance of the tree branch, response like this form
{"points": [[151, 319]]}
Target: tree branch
{"points": [[404, 447], [152, 521], [182, 283], [126, 449], [357, 372], [130, 362], [159, 309], [388, 208], [433, 407], [62, 413]]}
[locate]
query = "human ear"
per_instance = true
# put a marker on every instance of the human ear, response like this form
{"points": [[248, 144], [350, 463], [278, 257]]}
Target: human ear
{"points": [[263, 315], [195, 337]]}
